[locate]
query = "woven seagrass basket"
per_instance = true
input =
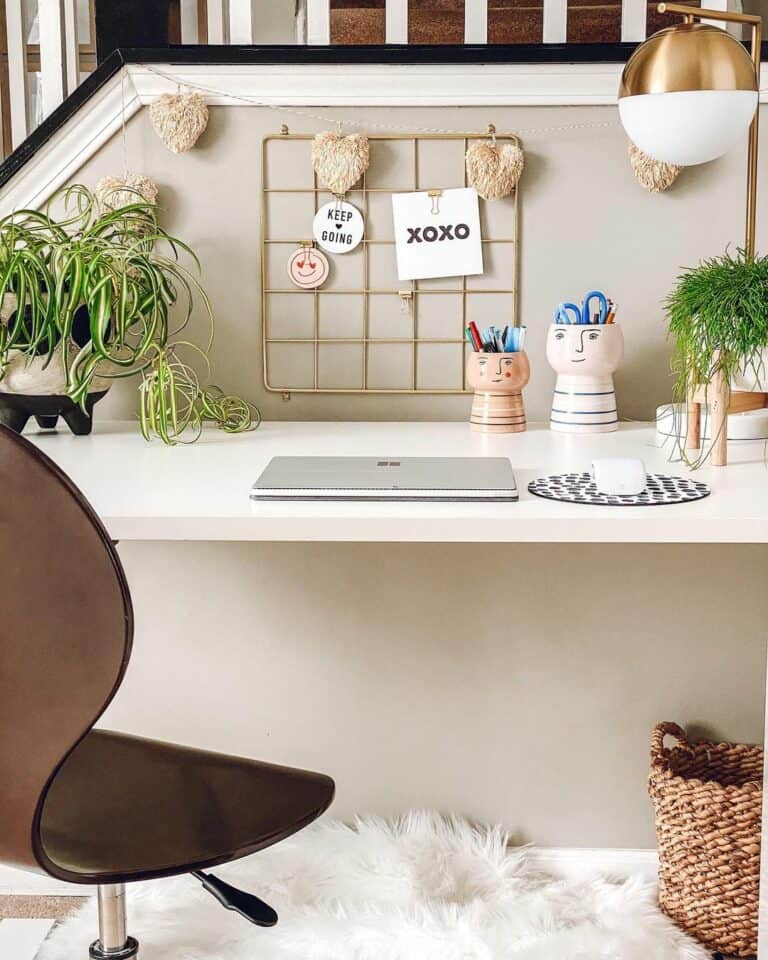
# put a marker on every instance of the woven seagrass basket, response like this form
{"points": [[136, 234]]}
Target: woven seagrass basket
{"points": [[708, 799]]}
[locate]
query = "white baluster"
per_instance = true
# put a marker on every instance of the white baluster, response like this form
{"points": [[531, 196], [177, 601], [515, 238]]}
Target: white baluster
{"points": [[555, 21], [633, 20], [318, 22], [218, 21], [71, 46], [51, 53], [240, 21], [190, 32], [396, 21], [475, 21], [17, 70]]}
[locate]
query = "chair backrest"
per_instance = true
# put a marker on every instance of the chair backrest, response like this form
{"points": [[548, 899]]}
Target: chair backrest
{"points": [[66, 630]]}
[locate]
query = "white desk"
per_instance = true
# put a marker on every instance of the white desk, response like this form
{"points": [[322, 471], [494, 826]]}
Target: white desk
{"points": [[200, 492]]}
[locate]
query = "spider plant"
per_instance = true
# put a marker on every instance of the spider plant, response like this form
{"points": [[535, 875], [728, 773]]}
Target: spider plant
{"points": [[105, 292], [718, 318]]}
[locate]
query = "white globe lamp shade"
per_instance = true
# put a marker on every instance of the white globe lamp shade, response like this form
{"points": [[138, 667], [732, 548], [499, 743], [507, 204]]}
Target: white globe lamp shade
{"points": [[688, 94]]}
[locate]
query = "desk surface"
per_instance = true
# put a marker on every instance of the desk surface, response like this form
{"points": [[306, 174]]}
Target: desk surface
{"points": [[200, 492]]}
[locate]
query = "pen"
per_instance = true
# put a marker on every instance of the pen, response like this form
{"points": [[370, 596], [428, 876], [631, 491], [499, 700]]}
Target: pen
{"points": [[476, 339]]}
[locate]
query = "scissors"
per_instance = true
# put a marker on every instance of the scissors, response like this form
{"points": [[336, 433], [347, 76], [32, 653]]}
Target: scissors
{"points": [[602, 312], [563, 311], [582, 314]]}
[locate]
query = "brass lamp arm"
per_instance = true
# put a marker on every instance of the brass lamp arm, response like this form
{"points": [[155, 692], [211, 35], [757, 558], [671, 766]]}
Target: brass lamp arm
{"points": [[703, 14]]}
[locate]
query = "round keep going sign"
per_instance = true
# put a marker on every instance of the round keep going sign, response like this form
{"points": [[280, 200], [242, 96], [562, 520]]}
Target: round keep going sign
{"points": [[338, 226]]}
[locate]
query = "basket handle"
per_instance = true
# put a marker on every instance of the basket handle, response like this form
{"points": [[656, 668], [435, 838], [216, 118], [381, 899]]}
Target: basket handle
{"points": [[661, 730]]}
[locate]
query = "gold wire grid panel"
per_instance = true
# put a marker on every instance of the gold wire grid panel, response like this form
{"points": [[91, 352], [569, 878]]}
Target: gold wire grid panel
{"points": [[310, 345]]}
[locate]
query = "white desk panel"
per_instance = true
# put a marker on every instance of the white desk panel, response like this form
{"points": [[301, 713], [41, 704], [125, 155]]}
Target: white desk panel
{"points": [[201, 491]]}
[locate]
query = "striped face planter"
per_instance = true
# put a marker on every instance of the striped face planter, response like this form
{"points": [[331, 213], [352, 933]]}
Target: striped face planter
{"points": [[498, 380], [584, 357]]}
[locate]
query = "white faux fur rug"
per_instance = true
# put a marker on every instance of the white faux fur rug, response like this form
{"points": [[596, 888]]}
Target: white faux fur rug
{"points": [[423, 888]]}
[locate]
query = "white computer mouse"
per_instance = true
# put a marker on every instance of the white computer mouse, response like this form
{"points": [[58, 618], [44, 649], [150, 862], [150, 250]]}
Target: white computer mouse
{"points": [[619, 476]]}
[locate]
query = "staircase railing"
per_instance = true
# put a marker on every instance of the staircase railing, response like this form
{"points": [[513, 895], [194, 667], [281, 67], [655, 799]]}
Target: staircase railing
{"points": [[48, 46]]}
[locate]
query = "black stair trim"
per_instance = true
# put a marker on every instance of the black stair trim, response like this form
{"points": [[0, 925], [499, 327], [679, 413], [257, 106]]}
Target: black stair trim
{"points": [[54, 121], [298, 55]]}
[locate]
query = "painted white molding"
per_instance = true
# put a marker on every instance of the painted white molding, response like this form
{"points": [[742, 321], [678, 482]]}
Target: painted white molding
{"points": [[572, 863], [318, 22], [396, 21], [762, 922], [380, 85], [555, 28], [52, 61], [567, 84], [75, 143], [476, 21], [17, 70]]}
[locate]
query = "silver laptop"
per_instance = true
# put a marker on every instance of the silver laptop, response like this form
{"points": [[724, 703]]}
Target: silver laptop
{"points": [[446, 479]]}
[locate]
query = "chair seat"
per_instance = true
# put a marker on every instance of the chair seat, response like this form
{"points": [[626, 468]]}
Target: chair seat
{"points": [[123, 808]]}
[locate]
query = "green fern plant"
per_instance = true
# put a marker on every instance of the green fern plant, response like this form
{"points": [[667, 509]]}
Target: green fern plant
{"points": [[105, 292], [718, 318]]}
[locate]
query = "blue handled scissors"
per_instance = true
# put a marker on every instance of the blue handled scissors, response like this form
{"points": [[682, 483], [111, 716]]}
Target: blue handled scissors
{"points": [[586, 306], [564, 309]]}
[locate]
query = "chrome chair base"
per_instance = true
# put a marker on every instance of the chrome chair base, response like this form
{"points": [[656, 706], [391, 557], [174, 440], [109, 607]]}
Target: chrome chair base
{"points": [[127, 952], [113, 942]]}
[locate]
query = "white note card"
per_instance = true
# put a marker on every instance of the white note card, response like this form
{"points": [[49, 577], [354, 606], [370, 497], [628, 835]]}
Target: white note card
{"points": [[437, 236]]}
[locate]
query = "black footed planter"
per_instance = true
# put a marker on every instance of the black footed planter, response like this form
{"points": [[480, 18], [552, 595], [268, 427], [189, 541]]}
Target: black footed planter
{"points": [[17, 408]]}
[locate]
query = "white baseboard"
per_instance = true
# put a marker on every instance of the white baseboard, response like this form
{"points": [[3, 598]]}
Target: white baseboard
{"points": [[20, 883], [568, 862], [576, 863]]}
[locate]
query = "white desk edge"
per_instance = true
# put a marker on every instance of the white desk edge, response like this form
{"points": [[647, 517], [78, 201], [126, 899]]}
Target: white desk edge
{"points": [[201, 491]]}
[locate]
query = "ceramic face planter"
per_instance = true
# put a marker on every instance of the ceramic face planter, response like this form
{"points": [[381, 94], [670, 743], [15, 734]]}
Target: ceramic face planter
{"points": [[36, 388], [498, 379], [584, 356]]}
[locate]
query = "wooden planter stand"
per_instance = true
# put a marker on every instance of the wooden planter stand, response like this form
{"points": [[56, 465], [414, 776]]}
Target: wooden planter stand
{"points": [[722, 401]]}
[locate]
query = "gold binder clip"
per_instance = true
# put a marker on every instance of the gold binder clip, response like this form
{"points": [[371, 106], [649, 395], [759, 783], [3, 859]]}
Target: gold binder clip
{"points": [[435, 195]]}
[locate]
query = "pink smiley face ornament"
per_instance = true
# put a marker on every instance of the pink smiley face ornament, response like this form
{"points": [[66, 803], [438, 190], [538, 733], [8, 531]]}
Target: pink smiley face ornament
{"points": [[308, 268]]}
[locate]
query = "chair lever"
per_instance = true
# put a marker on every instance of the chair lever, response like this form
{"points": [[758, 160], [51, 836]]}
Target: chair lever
{"points": [[241, 902]]}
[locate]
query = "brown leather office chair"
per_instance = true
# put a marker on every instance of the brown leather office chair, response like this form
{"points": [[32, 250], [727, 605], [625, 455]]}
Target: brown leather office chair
{"points": [[91, 806]]}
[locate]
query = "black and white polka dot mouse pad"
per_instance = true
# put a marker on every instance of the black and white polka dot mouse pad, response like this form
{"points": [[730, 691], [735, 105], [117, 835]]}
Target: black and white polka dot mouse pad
{"points": [[580, 488]]}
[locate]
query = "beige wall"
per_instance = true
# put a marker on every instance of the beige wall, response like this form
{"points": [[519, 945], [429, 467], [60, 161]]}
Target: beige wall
{"points": [[368, 661], [584, 222]]}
